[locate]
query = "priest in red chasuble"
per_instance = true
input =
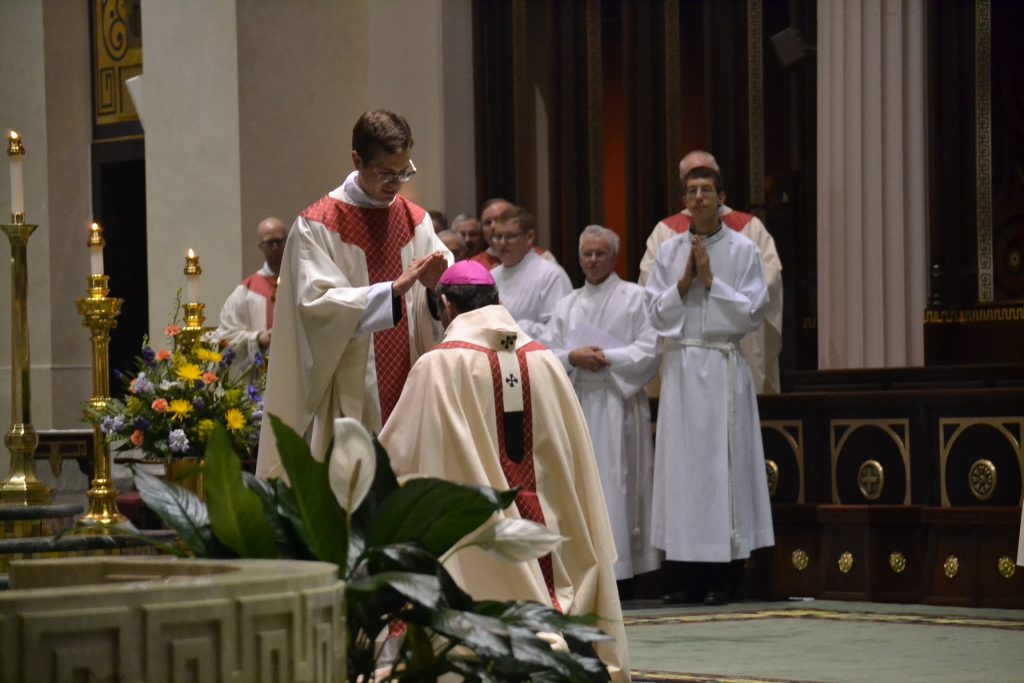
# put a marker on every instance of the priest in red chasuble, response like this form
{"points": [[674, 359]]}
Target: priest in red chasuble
{"points": [[491, 406], [352, 312]]}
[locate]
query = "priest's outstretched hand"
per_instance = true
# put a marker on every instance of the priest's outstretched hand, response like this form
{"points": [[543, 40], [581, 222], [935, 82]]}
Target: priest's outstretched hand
{"points": [[427, 270]]}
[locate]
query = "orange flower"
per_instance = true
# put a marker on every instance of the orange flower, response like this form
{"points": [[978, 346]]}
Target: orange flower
{"points": [[159, 405], [172, 330], [209, 378], [163, 354], [136, 437]]}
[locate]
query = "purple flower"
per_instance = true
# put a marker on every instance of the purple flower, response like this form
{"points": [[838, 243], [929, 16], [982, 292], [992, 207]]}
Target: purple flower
{"points": [[198, 402], [254, 394], [107, 425], [257, 359], [148, 355], [141, 423], [177, 441], [227, 356]]}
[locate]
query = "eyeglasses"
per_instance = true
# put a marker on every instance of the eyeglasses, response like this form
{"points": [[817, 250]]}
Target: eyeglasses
{"points": [[704, 190], [388, 177], [506, 238], [272, 244]]}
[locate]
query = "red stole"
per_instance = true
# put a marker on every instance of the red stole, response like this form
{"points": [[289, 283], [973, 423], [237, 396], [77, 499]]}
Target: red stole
{"points": [[264, 285], [737, 220], [381, 234], [518, 474]]}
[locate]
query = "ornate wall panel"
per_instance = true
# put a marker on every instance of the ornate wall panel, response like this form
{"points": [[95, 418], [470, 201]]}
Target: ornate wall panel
{"points": [[117, 56], [784, 455], [981, 461], [870, 461]]}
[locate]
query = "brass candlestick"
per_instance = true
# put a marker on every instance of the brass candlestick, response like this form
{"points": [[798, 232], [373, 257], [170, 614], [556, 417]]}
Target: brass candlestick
{"points": [[99, 313], [195, 316], [21, 486]]}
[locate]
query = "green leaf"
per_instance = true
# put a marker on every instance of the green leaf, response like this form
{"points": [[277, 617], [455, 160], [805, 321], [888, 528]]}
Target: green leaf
{"points": [[322, 517], [289, 543], [180, 510], [420, 588], [236, 513], [434, 513], [384, 484]]}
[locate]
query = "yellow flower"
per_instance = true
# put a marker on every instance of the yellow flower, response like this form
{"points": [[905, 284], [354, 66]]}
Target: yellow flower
{"points": [[207, 355], [235, 419], [204, 429], [189, 372], [232, 397], [180, 407], [134, 405]]}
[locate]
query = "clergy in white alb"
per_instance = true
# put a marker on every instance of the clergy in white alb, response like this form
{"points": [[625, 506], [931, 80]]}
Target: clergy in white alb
{"points": [[706, 291], [529, 286], [355, 277], [489, 215], [490, 406], [601, 334], [247, 317], [760, 347]]}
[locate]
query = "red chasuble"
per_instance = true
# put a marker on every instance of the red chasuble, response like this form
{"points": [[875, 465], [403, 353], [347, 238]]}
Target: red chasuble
{"points": [[737, 220], [265, 286], [381, 234]]}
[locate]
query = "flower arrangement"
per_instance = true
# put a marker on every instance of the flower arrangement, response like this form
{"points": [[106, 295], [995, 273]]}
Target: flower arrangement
{"points": [[177, 395]]}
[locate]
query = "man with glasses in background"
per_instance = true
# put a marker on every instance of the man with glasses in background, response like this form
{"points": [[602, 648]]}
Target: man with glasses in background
{"points": [[529, 285], [247, 317], [356, 276]]}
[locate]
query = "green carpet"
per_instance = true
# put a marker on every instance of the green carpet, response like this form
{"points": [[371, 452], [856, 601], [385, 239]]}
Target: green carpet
{"points": [[824, 641]]}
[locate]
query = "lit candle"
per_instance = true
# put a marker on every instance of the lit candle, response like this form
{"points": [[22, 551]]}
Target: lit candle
{"points": [[96, 243], [192, 273], [16, 150]]}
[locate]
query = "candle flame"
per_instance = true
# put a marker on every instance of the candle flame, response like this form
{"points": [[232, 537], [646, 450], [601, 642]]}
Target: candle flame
{"points": [[95, 227], [191, 254], [14, 135]]}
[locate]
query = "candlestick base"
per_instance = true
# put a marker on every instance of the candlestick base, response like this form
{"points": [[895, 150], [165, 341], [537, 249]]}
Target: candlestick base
{"points": [[21, 486], [193, 328]]}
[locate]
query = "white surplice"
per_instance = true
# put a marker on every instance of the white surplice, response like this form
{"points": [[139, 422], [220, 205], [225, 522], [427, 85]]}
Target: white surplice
{"points": [[711, 499], [530, 289], [322, 360], [760, 347], [615, 405], [242, 318], [446, 425]]}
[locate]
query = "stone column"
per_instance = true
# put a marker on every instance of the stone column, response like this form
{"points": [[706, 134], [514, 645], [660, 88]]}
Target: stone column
{"points": [[871, 183]]}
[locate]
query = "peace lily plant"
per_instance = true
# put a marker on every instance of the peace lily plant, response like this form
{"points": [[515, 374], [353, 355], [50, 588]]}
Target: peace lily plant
{"points": [[389, 540]]}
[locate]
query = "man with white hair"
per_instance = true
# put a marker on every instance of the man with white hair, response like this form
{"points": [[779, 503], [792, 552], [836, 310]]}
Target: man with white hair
{"points": [[761, 347], [602, 335]]}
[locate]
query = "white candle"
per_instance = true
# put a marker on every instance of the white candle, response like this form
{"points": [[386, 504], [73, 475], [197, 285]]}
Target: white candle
{"points": [[96, 248], [192, 272], [17, 180]]}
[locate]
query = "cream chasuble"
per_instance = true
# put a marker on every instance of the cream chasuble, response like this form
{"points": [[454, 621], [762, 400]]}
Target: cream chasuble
{"points": [[451, 423], [334, 311]]}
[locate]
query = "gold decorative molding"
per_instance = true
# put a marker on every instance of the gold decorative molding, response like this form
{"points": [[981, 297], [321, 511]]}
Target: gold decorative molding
{"points": [[117, 56], [845, 562], [773, 476], [755, 105], [1012, 428], [974, 315], [897, 429], [951, 567], [983, 145], [1007, 567], [800, 559], [871, 479], [897, 562], [793, 432], [982, 479]]}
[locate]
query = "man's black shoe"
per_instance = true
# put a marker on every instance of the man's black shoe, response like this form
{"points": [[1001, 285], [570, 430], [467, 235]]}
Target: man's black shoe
{"points": [[716, 598]]}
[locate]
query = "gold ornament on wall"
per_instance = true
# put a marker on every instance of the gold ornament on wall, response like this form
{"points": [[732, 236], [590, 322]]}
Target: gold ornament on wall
{"points": [[1007, 567], [982, 479], [800, 560], [871, 479], [897, 562], [846, 562], [773, 477], [951, 567]]}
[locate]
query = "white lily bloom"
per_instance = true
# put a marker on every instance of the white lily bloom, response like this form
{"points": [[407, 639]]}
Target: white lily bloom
{"points": [[517, 539], [353, 463]]}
